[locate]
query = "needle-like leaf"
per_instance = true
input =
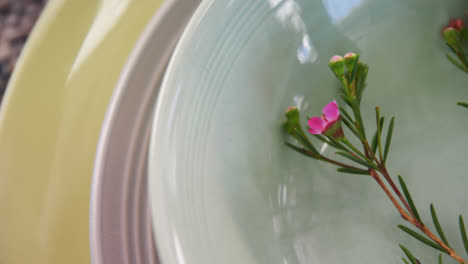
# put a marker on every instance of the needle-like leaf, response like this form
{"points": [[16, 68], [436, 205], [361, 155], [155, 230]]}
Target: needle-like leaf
{"points": [[421, 238], [381, 123], [302, 138], [455, 62], [389, 139], [463, 233], [351, 127], [301, 150], [440, 259], [374, 143], [353, 171], [361, 83], [331, 143], [345, 114], [379, 131], [357, 160], [408, 254], [463, 104], [408, 198], [357, 114], [437, 225], [355, 69]]}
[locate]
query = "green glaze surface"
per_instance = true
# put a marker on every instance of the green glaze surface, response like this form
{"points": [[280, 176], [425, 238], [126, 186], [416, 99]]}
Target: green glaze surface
{"points": [[224, 187]]}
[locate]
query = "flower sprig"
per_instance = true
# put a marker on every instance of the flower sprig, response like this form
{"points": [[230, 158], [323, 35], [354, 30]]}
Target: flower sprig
{"points": [[456, 38], [369, 158]]}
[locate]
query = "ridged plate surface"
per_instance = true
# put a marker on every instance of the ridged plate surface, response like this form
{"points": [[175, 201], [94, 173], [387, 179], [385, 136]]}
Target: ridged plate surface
{"points": [[224, 187]]}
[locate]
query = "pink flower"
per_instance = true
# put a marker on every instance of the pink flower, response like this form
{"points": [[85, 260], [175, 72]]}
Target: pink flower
{"points": [[329, 124]]}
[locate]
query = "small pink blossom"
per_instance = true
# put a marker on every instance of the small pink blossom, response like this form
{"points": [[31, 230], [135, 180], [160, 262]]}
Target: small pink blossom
{"points": [[336, 58], [349, 55], [329, 124]]}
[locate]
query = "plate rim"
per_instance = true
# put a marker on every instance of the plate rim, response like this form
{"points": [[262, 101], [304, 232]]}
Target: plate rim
{"points": [[167, 20]]}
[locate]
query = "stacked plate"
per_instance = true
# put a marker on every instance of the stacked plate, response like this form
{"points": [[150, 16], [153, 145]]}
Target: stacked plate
{"points": [[58, 101], [190, 166], [120, 222]]}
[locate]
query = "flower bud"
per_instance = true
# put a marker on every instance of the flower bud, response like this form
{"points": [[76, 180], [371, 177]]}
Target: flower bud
{"points": [[292, 114], [337, 65], [350, 61], [450, 35], [335, 130], [292, 119], [457, 24]]}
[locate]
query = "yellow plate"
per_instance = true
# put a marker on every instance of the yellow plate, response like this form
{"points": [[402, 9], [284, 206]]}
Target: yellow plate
{"points": [[50, 121]]}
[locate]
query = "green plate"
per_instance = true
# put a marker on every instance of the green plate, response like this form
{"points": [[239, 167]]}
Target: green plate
{"points": [[225, 189], [50, 122]]}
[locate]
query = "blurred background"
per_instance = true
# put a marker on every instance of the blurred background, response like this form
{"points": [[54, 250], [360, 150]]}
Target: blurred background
{"points": [[17, 17]]}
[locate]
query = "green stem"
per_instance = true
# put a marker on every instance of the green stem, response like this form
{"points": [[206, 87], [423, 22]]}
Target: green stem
{"points": [[358, 117], [323, 158], [369, 150]]}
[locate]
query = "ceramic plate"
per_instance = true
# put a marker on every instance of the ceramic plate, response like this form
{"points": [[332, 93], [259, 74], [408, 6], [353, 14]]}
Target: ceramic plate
{"points": [[225, 189], [120, 224], [50, 120]]}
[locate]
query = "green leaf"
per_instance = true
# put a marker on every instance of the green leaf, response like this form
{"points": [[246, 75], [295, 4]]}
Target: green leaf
{"points": [[351, 127], [464, 33], [408, 198], [357, 160], [421, 238], [355, 68], [346, 91], [455, 62], [440, 259], [361, 82], [337, 142], [463, 233], [463, 104], [381, 123], [451, 48], [461, 53], [302, 138], [408, 254], [296, 132], [389, 139], [356, 151], [334, 143], [344, 97], [379, 131], [357, 114], [301, 150], [353, 171], [437, 225], [405, 261], [374, 143], [345, 114]]}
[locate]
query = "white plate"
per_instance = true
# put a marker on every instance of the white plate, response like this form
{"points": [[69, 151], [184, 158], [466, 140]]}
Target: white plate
{"points": [[120, 226]]}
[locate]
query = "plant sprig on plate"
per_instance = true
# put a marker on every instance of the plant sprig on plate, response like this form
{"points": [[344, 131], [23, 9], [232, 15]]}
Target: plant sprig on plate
{"points": [[370, 157], [456, 38]]}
